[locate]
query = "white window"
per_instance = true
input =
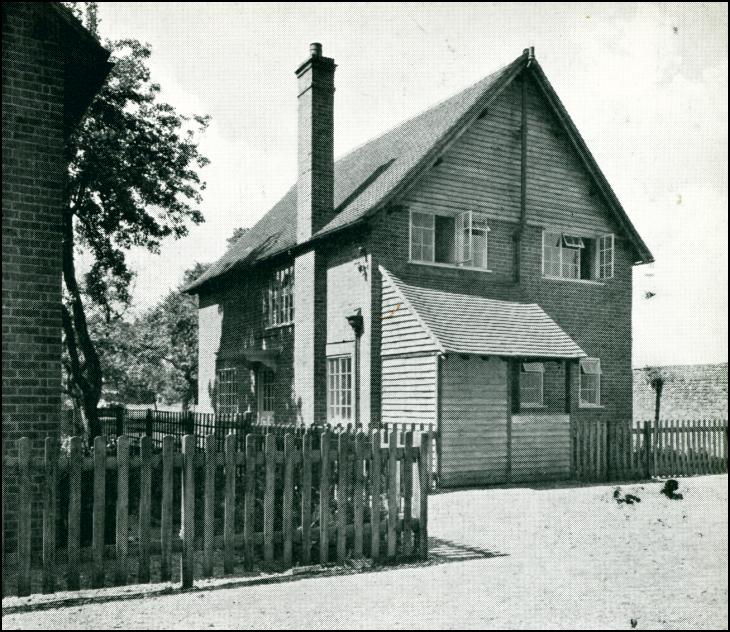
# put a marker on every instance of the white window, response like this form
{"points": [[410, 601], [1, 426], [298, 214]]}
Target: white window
{"points": [[531, 384], [339, 389], [279, 298], [266, 394], [605, 257], [589, 382], [459, 239], [575, 257], [227, 392]]}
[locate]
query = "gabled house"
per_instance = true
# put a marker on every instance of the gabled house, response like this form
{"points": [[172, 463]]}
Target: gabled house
{"points": [[469, 269]]}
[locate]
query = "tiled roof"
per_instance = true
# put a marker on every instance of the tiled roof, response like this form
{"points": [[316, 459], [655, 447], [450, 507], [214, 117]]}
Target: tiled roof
{"points": [[373, 174], [462, 323], [363, 178]]}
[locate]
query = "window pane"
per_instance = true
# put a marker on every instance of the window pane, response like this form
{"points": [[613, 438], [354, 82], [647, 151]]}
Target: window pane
{"points": [[445, 246]]}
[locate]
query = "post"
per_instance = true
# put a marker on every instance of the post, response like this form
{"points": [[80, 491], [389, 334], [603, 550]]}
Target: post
{"points": [[168, 458], [187, 561], [49, 515], [74, 513], [145, 507], [648, 448], [24, 528], [122, 535], [324, 498], [97, 536], [423, 477], [229, 503]]}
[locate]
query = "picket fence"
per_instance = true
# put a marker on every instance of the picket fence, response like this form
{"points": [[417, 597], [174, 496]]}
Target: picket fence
{"points": [[603, 451], [284, 501]]}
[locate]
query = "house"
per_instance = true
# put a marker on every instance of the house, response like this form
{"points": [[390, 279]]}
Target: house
{"points": [[52, 68], [469, 269], [689, 391]]}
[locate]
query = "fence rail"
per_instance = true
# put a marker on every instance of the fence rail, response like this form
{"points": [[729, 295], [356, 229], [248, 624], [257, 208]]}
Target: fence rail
{"points": [[611, 451], [278, 501]]}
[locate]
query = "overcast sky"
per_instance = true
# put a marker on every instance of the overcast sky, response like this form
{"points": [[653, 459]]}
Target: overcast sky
{"points": [[646, 84]]}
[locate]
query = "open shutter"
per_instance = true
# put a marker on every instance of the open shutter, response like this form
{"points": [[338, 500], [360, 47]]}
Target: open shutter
{"points": [[464, 237]]}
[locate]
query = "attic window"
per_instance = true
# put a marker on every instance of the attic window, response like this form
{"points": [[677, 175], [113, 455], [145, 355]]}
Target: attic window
{"points": [[567, 256]]}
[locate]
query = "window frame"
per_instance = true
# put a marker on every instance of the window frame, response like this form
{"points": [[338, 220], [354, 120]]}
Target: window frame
{"points": [[602, 269], [471, 219], [532, 368], [335, 405], [598, 373], [232, 407], [278, 298], [265, 415]]}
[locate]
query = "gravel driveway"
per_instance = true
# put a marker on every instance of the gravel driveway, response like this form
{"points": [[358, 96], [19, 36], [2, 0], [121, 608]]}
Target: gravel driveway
{"points": [[504, 558]]}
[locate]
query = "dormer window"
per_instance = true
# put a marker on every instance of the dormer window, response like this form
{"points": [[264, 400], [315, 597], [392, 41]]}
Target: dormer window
{"points": [[566, 256], [449, 239]]}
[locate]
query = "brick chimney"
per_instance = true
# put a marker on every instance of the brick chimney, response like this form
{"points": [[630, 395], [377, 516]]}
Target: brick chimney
{"points": [[315, 175], [315, 208]]}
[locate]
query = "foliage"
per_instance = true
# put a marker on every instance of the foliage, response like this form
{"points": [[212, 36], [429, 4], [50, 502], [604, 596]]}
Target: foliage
{"points": [[133, 181]]}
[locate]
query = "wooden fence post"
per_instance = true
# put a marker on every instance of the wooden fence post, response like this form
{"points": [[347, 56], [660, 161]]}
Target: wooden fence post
{"points": [[122, 517], [423, 480], [288, 499], [209, 507], [49, 515], [393, 491], [306, 497], [342, 456], [145, 508], [168, 465], [269, 491], [407, 539], [74, 513], [375, 473], [648, 448], [324, 497], [187, 562], [24, 508], [99, 512], [229, 503], [358, 500]]}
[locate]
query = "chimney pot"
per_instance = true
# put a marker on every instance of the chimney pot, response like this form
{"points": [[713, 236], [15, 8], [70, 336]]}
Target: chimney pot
{"points": [[315, 49]]}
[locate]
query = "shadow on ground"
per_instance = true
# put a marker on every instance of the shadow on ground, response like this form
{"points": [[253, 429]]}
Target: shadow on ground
{"points": [[440, 552]]}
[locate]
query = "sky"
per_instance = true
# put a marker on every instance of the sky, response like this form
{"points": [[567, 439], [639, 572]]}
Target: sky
{"points": [[646, 84]]}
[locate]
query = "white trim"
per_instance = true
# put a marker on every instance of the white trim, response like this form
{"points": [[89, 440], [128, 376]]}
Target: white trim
{"points": [[581, 402], [569, 280], [535, 368], [455, 266]]}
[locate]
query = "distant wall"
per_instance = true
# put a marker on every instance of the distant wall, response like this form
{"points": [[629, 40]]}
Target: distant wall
{"points": [[694, 391]]}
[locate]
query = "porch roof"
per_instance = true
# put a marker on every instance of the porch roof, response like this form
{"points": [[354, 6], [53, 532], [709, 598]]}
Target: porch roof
{"points": [[462, 323]]}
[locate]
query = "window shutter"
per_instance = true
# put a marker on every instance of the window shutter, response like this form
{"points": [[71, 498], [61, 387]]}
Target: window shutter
{"points": [[464, 237]]}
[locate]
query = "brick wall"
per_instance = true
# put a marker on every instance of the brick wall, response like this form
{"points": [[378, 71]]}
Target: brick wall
{"points": [[33, 178]]}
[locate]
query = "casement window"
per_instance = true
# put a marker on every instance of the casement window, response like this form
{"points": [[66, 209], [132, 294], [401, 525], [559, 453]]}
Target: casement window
{"points": [[227, 391], [531, 384], [339, 389], [589, 378], [279, 298], [459, 240], [266, 398], [576, 257]]}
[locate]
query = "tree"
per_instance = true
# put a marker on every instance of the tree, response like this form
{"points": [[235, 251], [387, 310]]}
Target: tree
{"points": [[168, 335], [133, 181], [236, 235]]}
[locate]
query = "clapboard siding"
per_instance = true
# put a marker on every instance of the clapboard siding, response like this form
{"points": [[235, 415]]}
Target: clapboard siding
{"points": [[473, 420], [402, 332], [540, 447], [409, 389], [481, 171]]}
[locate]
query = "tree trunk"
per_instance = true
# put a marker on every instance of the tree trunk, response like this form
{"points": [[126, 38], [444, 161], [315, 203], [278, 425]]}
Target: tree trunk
{"points": [[84, 365]]}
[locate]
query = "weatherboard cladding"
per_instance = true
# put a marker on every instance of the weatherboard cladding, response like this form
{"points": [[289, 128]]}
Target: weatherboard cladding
{"points": [[371, 175], [462, 323]]}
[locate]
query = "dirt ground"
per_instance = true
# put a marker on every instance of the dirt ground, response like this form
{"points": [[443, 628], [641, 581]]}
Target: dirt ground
{"points": [[562, 558]]}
